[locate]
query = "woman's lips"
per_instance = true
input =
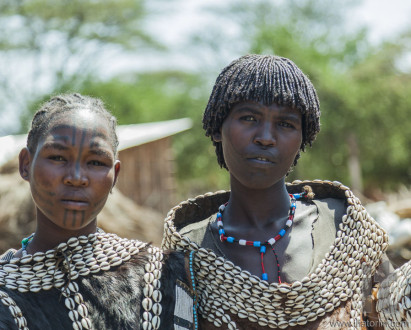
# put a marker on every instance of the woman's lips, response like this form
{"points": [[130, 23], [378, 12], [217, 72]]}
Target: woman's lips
{"points": [[74, 204], [261, 160]]}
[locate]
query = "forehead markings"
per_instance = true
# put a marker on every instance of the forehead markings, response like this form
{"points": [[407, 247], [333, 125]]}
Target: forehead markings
{"points": [[74, 129], [64, 138], [93, 134], [72, 126], [96, 145], [97, 134], [80, 150]]}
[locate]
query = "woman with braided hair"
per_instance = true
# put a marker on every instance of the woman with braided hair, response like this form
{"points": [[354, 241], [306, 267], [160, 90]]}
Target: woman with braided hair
{"points": [[70, 274], [271, 254]]}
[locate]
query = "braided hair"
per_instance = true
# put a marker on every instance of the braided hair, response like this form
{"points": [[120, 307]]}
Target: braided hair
{"points": [[65, 103], [267, 79]]}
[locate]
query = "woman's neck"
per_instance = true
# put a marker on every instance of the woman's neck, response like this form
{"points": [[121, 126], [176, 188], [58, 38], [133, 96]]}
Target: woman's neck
{"points": [[48, 235], [256, 208]]}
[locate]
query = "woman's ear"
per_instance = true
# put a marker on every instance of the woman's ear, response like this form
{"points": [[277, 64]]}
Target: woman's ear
{"points": [[24, 163], [116, 171], [217, 137]]}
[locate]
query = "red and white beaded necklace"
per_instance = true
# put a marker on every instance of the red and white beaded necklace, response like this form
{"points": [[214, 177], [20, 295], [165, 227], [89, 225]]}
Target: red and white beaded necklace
{"points": [[258, 244]]}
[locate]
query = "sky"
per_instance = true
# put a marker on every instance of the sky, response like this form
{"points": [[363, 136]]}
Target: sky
{"points": [[383, 18]]}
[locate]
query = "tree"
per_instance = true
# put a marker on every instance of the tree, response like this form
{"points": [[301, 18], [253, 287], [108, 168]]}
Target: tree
{"points": [[363, 94], [51, 45], [165, 95]]}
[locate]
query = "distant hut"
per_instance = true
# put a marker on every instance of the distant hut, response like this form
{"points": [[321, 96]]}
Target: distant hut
{"points": [[136, 209], [147, 162]]}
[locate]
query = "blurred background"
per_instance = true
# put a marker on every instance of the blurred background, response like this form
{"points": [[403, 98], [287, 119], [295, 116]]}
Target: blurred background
{"points": [[156, 61]]}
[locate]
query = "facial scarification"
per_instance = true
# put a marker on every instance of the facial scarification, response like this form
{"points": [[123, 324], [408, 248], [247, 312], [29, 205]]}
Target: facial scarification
{"points": [[73, 137], [67, 104], [73, 169]]}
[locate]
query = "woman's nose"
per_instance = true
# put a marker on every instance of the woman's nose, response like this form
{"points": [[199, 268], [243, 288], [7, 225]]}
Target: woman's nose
{"points": [[265, 135], [76, 176]]}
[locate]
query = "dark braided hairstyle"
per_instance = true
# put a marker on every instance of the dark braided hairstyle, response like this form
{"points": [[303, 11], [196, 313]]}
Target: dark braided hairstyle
{"points": [[267, 79], [66, 103]]}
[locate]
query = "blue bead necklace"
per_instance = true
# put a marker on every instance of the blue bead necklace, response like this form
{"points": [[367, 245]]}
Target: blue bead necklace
{"points": [[24, 243], [195, 302], [262, 246]]}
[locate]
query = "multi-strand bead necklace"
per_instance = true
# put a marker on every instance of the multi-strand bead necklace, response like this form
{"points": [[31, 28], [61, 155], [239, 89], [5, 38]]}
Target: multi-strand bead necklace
{"points": [[230, 297], [258, 244]]}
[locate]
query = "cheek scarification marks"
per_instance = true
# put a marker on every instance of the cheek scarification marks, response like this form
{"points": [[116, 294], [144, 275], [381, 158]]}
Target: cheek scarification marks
{"points": [[43, 199], [45, 203]]}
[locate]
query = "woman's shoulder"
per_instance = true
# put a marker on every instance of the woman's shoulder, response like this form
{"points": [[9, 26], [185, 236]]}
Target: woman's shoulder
{"points": [[40, 310], [125, 274], [196, 229], [197, 209], [8, 255], [322, 189]]}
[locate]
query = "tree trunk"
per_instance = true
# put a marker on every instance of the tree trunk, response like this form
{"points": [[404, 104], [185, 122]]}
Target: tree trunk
{"points": [[354, 165]]}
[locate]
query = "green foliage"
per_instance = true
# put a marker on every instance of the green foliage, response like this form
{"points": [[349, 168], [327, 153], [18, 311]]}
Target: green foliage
{"points": [[364, 96], [167, 95], [105, 22], [55, 45], [370, 101]]}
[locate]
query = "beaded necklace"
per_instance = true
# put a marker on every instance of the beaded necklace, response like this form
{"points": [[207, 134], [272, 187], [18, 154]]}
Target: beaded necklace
{"points": [[230, 297], [24, 243], [258, 244]]}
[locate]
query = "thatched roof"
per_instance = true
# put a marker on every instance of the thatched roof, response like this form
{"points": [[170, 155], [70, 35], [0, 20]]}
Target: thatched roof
{"points": [[120, 215]]}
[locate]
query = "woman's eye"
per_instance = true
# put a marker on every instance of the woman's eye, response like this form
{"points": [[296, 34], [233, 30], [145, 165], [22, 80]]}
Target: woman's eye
{"points": [[285, 124], [96, 163], [248, 118], [57, 158]]}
